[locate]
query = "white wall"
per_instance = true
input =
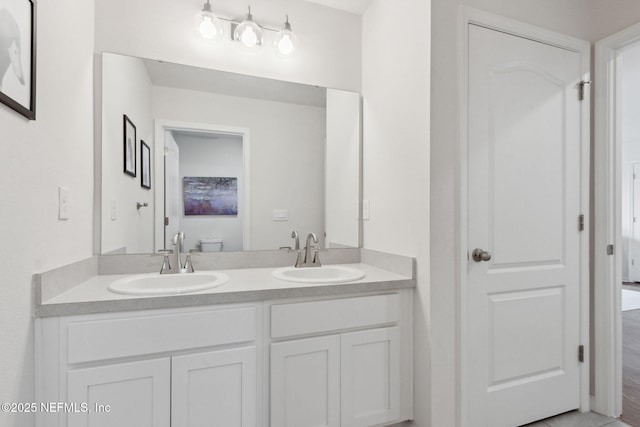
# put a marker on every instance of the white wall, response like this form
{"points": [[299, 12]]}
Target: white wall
{"points": [[329, 52], [37, 157], [211, 157], [286, 152], [342, 180], [126, 89], [395, 81]]}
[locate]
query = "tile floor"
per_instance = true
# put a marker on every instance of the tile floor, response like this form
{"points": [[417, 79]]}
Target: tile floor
{"points": [[577, 419]]}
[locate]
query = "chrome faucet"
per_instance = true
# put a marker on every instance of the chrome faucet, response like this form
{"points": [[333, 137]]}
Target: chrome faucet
{"points": [[187, 267], [306, 258]]}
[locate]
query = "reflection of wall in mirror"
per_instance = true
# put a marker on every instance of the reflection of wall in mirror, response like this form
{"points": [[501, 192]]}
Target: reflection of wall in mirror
{"points": [[126, 89], [342, 188]]}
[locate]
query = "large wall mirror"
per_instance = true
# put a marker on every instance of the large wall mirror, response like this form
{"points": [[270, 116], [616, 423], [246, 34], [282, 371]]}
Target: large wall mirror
{"points": [[236, 162]]}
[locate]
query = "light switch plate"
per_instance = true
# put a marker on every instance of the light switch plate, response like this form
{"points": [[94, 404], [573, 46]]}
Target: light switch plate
{"points": [[63, 203], [281, 215], [113, 210]]}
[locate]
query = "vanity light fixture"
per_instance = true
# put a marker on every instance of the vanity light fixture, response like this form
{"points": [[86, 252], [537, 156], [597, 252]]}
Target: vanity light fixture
{"points": [[286, 40], [210, 25], [248, 32]]}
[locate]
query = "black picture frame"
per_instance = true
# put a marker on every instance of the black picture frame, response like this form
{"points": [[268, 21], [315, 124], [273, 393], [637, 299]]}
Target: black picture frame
{"points": [[129, 146], [18, 33], [145, 165]]}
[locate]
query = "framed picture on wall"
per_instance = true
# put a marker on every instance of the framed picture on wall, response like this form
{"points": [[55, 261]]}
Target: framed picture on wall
{"points": [[18, 56], [129, 147], [145, 165], [210, 195]]}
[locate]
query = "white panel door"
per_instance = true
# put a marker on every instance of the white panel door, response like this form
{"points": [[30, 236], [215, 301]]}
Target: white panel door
{"points": [[370, 366], [216, 388], [634, 242], [137, 393], [523, 208], [305, 382]]}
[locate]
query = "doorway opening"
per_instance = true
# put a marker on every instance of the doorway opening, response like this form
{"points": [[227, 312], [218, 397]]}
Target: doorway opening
{"points": [[629, 135], [206, 174], [616, 291]]}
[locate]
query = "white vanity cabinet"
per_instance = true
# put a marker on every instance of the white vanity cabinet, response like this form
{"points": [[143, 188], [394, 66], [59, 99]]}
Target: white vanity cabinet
{"points": [[122, 394], [298, 362], [340, 362], [216, 388], [186, 367]]}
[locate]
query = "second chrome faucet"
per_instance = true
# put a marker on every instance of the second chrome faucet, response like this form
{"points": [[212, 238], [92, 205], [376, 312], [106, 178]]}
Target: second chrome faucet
{"points": [[179, 267], [309, 256]]}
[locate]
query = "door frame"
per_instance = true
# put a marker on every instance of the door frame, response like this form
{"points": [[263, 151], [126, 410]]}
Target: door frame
{"points": [[467, 16], [161, 126], [607, 231]]}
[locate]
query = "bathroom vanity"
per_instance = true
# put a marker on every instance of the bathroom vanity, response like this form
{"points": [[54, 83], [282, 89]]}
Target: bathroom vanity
{"points": [[257, 351]]}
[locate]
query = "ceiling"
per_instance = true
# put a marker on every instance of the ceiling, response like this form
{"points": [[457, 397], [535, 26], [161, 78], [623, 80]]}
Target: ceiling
{"points": [[353, 6], [207, 80]]}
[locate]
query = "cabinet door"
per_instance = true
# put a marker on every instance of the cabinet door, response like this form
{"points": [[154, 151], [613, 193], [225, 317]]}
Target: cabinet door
{"points": [[216, 388], [370, 367], [305, 382], [137, 393]]}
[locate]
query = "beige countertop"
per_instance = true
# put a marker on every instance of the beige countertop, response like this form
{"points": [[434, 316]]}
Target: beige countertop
{"points": [[244, 285]]}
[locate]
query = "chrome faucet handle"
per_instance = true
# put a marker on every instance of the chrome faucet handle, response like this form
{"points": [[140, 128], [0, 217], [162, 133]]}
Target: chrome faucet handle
{"points": [[316, 258], [166, 264], [294, 235], [188, 265]]}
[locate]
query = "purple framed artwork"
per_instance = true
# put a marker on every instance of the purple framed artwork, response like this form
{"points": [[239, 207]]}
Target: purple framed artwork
{"points": [[210, 195]]}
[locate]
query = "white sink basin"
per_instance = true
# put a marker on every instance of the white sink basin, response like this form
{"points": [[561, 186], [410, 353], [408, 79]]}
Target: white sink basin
{"points": [[324, 274], [168, 284]]}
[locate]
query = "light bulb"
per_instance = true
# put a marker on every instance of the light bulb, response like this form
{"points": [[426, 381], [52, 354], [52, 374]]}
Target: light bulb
{"points": [[248, 32], [207, 29], [210, 26], [286, 40], [285, 45]]}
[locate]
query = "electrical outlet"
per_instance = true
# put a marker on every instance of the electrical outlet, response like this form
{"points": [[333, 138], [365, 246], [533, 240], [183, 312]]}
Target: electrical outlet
{"points": [[63, 203]]}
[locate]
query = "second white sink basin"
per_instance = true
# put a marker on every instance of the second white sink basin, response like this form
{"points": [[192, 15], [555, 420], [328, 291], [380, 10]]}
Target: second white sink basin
{"points": [[168, 284], [324, 274]]}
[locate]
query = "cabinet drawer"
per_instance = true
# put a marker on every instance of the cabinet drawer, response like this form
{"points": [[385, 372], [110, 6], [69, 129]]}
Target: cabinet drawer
{"points": [[332, 315], [113, 337]]}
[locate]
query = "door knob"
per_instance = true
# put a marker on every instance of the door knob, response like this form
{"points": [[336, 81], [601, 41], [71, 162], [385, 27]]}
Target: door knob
{"points": [[479, 255]]}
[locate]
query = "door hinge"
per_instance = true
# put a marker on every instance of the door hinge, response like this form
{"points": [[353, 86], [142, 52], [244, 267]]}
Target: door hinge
{"points": [[609, 249], [581, 222], [581, 353], [166, 220], [581, 89]]}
